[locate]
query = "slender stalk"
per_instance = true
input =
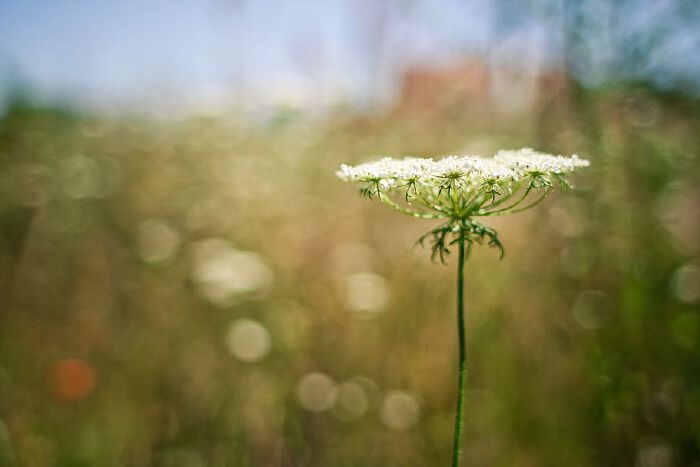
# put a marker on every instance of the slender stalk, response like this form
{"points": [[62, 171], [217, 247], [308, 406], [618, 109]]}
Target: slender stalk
{"points": [[508, 208], [520, 209], [457, 446], [385, 198]]}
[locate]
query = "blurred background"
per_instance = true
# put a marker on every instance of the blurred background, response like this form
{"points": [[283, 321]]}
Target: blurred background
{"points": [[184, 282]]}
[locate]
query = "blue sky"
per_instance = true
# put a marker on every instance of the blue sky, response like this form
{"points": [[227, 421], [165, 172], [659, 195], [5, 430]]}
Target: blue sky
{"points": [[110, 50], [107, 52]]}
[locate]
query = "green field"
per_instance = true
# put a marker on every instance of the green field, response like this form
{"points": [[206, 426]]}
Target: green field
{"points": [[205, 292]]}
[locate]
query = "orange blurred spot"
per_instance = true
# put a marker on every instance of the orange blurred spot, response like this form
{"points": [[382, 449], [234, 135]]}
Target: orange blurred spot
{"points": [[73, 379]]}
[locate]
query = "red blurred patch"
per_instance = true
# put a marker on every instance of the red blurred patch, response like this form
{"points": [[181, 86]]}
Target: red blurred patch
{"points": [[73, 379]]}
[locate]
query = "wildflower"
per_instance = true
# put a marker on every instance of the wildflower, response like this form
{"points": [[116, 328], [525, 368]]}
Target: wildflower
{"points": [[459, 189]]}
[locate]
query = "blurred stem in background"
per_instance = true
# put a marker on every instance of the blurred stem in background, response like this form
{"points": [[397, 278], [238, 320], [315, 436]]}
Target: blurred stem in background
{"points": [[457, 446]]}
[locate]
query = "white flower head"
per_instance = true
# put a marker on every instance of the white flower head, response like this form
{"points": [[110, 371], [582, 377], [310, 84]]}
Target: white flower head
{"points": [[459, 188]]}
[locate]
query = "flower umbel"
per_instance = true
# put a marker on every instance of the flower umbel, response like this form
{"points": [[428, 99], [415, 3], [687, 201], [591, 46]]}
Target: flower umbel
{"points": [[460, 188]]}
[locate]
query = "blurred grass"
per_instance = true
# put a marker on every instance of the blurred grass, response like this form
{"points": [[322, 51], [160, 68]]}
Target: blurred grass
{"points": [[583, 341]]}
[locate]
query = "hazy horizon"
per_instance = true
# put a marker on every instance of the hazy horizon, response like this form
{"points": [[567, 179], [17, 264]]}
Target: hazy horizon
{"points": [[312, 54]]}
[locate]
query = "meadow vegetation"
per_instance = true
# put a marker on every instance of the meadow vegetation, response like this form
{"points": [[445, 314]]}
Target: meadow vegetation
{"points": [[205, 292]]}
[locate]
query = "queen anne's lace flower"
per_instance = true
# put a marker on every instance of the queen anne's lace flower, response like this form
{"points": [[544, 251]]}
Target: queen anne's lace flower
{"points": [[462, 186], [459, 188]]}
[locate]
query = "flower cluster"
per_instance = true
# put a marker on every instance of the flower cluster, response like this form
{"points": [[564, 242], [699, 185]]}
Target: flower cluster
{"points": [[459, 188]]}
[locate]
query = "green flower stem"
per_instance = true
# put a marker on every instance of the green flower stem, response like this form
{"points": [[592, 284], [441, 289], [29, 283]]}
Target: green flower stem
{"points": [[430, 205], [457, 446], [482, 211], [496, 202], [385, 199], [523, 208]]}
